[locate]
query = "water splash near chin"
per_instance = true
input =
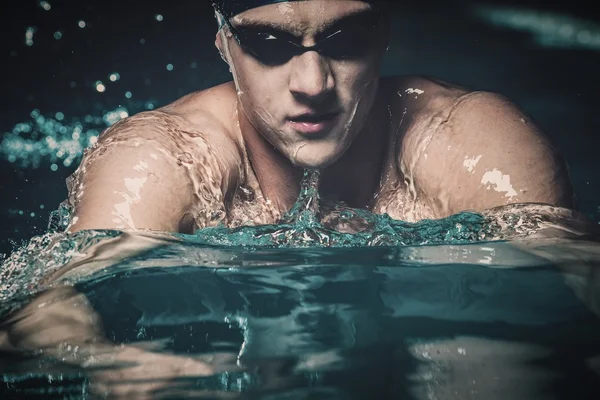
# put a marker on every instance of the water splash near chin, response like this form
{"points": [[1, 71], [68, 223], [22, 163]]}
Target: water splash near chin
{"points": [[310, 222], [305, 210], [313, 223]]}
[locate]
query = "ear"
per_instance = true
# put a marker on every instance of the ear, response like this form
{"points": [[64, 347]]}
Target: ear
{"points": [[220, 47]]}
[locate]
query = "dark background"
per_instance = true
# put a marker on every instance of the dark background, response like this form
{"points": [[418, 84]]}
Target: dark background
{"points": [[557, 86]]}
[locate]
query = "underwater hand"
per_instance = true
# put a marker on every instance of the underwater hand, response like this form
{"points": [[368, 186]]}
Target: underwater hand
{"points": [[60, 324], [577, 260], [132, 372]]}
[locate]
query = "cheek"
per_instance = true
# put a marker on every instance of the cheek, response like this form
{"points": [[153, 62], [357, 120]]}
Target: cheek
{"points": [[259, 88], [356, 80]]}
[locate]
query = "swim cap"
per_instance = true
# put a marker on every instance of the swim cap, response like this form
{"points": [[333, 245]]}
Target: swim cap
{"points": [[229, 8]]}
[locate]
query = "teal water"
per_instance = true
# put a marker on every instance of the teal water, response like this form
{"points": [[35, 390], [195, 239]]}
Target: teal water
{"points": [[472, 306], [485, 320], [469, 307]]}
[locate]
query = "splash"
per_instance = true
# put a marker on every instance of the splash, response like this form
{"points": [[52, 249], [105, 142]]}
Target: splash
{"points": [[59, 257], [56, 141], [310, 223]]}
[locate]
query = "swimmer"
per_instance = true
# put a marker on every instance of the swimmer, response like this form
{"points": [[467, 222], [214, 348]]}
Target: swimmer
{"points": [[307, 93]]}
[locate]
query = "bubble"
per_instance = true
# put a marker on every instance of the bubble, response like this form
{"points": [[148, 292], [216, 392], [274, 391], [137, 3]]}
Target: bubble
{"points": [[46, 139], [100, 87], [29, 32], [114, 77], [169, 67], [81, 24], [54, 167], [584, 36], [158, 17], [45, 5], [128, 94], [58, 35], [115, 116]]}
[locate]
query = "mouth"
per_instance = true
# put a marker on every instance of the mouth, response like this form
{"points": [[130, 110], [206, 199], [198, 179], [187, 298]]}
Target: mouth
{"points": [[313, 123]]}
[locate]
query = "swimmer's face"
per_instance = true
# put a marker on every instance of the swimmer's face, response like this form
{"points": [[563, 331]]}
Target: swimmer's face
{"points": [[308, 104]]}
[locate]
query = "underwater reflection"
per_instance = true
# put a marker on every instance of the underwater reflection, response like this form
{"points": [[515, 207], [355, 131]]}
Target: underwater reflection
{"points": [[496, 320]]}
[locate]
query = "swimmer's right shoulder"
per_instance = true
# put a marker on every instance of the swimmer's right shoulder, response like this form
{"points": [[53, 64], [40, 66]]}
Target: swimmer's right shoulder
{"points": [[169, 169], [215, 107], [207, 114]]}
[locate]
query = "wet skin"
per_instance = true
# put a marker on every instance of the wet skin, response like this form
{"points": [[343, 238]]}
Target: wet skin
{"points": [[408, 146], [411, 147]]}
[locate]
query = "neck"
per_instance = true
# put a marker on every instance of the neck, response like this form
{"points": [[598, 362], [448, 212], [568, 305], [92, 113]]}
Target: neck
{"points": [[278, 178], [356, 176]]}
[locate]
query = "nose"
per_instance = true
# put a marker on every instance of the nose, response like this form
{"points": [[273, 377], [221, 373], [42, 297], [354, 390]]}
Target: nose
{"points": [[311, 77]]}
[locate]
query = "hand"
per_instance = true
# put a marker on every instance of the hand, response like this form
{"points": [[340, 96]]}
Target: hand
{"points": [[136, 373], [60, 323]]}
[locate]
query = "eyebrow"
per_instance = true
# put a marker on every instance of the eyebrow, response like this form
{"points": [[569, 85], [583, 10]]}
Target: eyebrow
{"points": [[274, 26]]}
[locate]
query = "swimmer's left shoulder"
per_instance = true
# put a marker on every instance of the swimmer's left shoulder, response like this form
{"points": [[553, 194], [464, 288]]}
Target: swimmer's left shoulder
{"points": [[485, 151], [419, 84], [420, 95]]}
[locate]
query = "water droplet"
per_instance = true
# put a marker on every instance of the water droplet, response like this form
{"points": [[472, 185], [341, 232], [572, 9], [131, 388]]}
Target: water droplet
{"points": [[185, 158]]}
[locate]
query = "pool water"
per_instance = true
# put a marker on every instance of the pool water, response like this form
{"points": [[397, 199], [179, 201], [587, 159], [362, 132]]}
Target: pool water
{"points": [[491, 320], [469, 307]]}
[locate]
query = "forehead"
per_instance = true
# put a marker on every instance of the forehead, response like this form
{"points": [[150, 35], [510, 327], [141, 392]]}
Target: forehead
{"points": [[298, 17]]}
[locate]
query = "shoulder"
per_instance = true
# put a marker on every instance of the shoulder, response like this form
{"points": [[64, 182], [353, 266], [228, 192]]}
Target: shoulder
{"points": [[420, 95], [193, 124], [477, 150], [213, 108], [212, 111], [156, 167]]}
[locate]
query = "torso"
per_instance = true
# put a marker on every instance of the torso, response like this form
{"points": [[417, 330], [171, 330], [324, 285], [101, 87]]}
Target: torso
{"points": [[414, 108]]}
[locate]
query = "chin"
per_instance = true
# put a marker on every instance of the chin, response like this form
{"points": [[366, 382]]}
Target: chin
{"points": [[315, 156]]}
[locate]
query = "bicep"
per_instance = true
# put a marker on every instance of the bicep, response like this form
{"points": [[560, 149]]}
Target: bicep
{"points": [[146, 174], [489, 153], [126, 187]]}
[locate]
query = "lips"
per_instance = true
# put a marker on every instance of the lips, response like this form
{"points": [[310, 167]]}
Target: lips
{"points": [[313, 123]]}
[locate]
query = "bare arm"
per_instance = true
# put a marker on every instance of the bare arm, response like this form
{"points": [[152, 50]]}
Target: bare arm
{"points": [[155, 171], [485, 153], [61, 324]]}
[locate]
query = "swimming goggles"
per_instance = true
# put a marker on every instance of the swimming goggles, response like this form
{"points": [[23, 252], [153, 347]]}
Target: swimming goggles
{"points": [[351, 38]]}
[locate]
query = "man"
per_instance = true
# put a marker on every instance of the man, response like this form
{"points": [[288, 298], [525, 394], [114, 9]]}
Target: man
{"points": [[306, 93]]}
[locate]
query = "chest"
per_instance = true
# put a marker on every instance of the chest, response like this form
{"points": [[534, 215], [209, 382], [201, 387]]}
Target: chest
{"points": [[393, 197]]}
